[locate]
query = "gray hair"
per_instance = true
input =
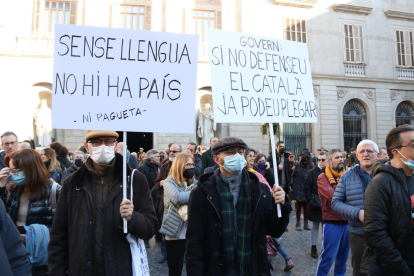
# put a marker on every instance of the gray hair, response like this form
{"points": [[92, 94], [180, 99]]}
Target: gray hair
{"points": [[322, 153], [151, 153], [331, 153], [79, 152], [368, 142], [25, 145], [383, 148], [8, 133]]}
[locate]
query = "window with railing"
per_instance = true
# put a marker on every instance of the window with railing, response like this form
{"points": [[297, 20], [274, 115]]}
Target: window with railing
{"points": [[56, 13], [295, 30], [202, 20], [404, 48], [354, 51], [132, 17]]}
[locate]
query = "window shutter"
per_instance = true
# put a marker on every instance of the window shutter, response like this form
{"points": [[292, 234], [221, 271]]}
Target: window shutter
{"points": [[115, 16], [219, 22], [357, 41], [147, 18], [397, 48], [72, 12], [407, 48], [346, 43], [361, 42]]}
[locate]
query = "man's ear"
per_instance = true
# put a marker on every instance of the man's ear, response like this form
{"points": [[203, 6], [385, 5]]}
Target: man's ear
{"points": [[217, 159]]}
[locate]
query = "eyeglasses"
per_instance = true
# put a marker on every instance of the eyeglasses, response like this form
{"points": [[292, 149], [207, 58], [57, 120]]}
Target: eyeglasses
{"points": [[174, 151], [98, 142], [190, 165], [9, 144], [156, 156], [291, 156], [321, 160], [367, 151], [233, 151]]}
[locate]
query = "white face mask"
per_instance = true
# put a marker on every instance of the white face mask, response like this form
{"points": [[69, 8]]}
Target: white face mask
{"points": [[103, 154], [203, 151]]}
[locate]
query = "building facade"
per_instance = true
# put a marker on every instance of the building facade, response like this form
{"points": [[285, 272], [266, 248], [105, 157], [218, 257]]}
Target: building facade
{"points": [[361, 53]]}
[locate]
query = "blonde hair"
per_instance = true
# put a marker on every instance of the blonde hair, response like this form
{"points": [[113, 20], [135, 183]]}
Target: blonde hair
{"points": [[54, 164], [177, 168]]}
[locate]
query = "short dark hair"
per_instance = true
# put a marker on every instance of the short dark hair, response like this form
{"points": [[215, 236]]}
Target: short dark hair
{"points": [[331, 153], [305, 149], [212, 138], [8, 133], [318, 150], [194, 144], [394, 139], [352, 149], [59, 149], [279, 142], [259, 156]]}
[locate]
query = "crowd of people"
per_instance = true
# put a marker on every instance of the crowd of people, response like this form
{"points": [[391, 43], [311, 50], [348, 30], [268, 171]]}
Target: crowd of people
{"points": [[212, 208]]}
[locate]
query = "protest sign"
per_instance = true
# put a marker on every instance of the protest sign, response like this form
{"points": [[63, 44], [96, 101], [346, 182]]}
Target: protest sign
{"points": [[257, 79], [124, 80]]}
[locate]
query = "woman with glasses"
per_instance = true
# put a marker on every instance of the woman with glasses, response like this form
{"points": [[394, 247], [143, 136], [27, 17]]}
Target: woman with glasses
{"points": [[28, 198], [53, 166], [298, 184], [250, 155], [177, 189]]}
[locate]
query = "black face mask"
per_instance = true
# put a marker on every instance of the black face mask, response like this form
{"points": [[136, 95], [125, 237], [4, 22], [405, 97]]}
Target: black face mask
{"points": [[189, 173], [282, 150], [47, 164], [78, 162]]}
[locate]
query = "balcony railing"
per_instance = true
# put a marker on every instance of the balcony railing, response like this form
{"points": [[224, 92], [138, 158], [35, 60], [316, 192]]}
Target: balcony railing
{"points": [[355, 70], [35, 43], [405, 74]]}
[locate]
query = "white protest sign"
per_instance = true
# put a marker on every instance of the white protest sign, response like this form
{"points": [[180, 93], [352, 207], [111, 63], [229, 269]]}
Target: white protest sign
{"points": [[124, 80], [258, 79]]}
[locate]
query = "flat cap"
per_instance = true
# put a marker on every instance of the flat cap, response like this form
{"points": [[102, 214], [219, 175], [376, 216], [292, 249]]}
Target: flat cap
{"points": [[226, 143], [100, 133]]}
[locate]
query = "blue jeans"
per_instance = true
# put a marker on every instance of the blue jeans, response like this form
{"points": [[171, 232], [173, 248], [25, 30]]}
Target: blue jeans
{"points": [[282, 251], [335, 248], [162, 245]]}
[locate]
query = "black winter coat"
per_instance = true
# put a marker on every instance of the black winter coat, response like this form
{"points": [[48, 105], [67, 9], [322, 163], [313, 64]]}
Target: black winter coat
{"points": [[39, 211], [150, 170], [298, 183], [311, 190], [198, 169], [64, 163], [285, 169], [204, 240], [387, 223], [14, 258], [68, 172], [207, 160], [70, 248]]}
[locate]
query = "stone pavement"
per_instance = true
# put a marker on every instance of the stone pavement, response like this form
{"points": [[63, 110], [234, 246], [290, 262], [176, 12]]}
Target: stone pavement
{"points": [[296, 243]]}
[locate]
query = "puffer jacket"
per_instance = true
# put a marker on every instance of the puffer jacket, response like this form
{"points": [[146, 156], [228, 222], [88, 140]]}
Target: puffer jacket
{"points": [[67, 172], [39, 211], [387, 222], [298, 183], [348, 200], [326, 192], [56, 175]]}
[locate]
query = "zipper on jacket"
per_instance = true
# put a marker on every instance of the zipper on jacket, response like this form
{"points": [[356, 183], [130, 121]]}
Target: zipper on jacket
{"points": [[254, 213]]}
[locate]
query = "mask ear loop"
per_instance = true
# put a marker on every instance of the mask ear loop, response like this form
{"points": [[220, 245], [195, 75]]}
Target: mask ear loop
{"points": [[402, 155]]}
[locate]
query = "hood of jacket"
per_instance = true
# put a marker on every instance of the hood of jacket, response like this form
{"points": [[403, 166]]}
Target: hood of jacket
{"points": [[384, 166]]}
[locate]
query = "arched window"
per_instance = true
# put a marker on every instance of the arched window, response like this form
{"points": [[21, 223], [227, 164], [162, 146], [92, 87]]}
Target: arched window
{"points": [[355, 124], [404, 114]]}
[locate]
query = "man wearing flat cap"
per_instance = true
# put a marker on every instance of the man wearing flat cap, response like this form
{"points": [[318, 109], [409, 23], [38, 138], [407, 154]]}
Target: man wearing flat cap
{"points": [[87, 235], [229, 215]]}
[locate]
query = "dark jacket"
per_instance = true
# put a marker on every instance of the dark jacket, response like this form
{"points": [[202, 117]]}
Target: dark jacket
{"points": [[39, 211], [64, 163], [198, 169], [162, 175], [268, 174], [205, 249], [298, 183], [132, 161], [326, 192], [2, 155], [68, 172], [311, 191], [285, 169], [150, 170], [14, 258], [387, 222], [56, 175], [71, 236], [207, 160]]}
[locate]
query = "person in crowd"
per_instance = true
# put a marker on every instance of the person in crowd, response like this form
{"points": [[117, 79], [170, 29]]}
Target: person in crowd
{"points": [[176, 194], [298, 193], [335, 242], [142, 158], [345, 156], [388, 209], [135, 154], [250, 156], [167, 154], [323, 149], [282, 160], [82, 241], [348, 199], [25, 145], [173, 150], [203, 149], [141, 150], [351, 162], [223, 239], [53, 166], [31, 142], [82, 149], [61, 155], [312, 195], [150, 169], [263, 167], [28, 198], [131, 160], [352, 151], [78, 159], [191, 149], [162, 156], [383, 154], [14, 258], [10, 144], [207, 156]]}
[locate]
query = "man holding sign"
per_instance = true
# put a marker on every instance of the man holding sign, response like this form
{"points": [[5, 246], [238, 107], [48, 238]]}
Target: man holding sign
{"points": [[87, 236], [229, 215]]}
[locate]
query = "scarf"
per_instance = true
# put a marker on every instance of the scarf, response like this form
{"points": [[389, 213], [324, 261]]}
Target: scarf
{"points": [[332, 175], [37, 240], [243, 247]]}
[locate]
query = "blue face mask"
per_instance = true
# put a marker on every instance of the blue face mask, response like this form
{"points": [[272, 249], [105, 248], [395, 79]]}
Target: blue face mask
{"points": [[262, 165], [19, 179], [234, 163], [409, 163], [171, 158]]}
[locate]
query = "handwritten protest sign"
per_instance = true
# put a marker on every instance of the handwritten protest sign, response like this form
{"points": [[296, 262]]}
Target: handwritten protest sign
{"points": [[257, 79], [124, 80]]}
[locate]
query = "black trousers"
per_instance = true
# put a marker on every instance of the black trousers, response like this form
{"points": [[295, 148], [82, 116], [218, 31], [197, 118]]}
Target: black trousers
{"points": [[357, 250], [175, 256]]}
